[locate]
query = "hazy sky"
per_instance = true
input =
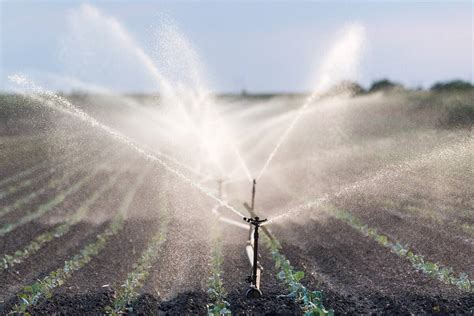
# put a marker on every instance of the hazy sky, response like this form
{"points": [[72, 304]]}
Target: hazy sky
{"points": [[262, 47]]}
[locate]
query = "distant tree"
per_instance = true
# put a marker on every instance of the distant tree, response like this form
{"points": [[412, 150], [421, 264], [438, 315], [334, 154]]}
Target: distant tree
{"points": [[346, 87], [384, 85], [452, 85]]}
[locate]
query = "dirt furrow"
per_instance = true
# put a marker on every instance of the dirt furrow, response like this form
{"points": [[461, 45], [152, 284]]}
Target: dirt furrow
{"points": [[237, 268], [360, 276]]}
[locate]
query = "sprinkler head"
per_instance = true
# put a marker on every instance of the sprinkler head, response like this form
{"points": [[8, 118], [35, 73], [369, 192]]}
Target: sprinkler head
{"points": [[255, 221]]}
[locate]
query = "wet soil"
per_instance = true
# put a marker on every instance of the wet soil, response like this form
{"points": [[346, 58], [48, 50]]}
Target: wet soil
{"points": [[358, 276], [237, 268]]}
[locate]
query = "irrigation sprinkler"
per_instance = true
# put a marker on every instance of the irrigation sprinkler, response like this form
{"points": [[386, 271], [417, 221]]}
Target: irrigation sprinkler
{"points": [[252, 249], [252, 246], [251, 210]]}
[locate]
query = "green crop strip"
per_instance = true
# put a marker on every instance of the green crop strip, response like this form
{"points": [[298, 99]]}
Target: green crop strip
{"points": [[60, 230], [310, 301], [129, 291], [216, 291], [468, 228], [52, 184], [23, 173], [29, 170], [443, 273], [27, 182], [46, 207], [44, 288]]}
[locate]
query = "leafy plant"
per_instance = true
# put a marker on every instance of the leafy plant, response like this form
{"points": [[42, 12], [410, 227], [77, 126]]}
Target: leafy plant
{"points": [[53, 183], [128, 292], [310, 301], [216, 290], [44, 288], [20, 255], [433, 269]]}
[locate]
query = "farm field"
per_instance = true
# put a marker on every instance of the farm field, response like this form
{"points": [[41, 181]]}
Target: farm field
{"points": [[370, 201]]}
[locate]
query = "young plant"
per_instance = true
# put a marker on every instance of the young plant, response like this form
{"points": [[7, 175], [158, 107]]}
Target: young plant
{"points": [[60, 230], [443, 273], [44, 288], [311, 301], [216, 291], [58, 199], [53, 183], [128, 293]]}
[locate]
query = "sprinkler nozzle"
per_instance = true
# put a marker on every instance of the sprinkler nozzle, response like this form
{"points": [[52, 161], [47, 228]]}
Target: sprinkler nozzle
{"points": [[255, 221]]}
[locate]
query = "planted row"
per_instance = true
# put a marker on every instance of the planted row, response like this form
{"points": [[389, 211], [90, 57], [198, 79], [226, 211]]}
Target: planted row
{"points": [[48, 206], [53, 183], [129, 291], [311, 302], [217, 294], [28, 171], [29, 181], [44, 288], [443, 273], [60, 230]]}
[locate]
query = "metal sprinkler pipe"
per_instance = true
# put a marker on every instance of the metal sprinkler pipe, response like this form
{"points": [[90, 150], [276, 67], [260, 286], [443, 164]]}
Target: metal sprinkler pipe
{"points": [[253, 194], [251, 210], [254, 291], [252, 246]]}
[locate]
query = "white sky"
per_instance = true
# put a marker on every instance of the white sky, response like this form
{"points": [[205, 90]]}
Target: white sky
{"points": [[262, 47]]}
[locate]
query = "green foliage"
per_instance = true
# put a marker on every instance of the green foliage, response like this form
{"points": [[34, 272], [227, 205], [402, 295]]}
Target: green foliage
{"points": [[46, 207], [44, 288], [216, 290], [128, 293], [311, 301], [452, 85], [435, 270], [383, 85], [20, 255], [51, 184]]}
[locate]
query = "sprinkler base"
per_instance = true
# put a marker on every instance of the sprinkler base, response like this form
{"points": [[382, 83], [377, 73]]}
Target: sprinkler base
{"points": [[253, 292]]}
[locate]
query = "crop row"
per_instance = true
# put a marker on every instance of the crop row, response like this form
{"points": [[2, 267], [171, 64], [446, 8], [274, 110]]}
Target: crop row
{"points": [[448, 216], [43, 288], [438, 271], [48, 206], [128, 293], [9, 260], [23, 173], [311, 302], [468, 228], [30, 159], [217, 294], [53, 183], [13, 188]]}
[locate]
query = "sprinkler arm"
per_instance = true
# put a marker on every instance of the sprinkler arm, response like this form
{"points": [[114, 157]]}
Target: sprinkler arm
{"points": [[254, 279], [256, 221], [265, 230]]}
